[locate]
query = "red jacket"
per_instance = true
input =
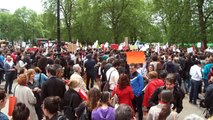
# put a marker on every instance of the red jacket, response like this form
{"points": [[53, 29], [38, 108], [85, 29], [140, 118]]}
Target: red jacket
{"points": [[125, 95], [150, 88]]}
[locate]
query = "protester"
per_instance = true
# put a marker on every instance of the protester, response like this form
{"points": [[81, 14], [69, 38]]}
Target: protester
{"points": [[209, 96], [178, 95], [53, 86], [25, 95], [10, 74], [72, 99], [50, 108], [21, 112], [152, 85], [124, 112], [85, 109], [137, 84], [163, 110], [77, 76], [105, 111], [196, 77], [3, 100], [124, 91], [40, 77]]}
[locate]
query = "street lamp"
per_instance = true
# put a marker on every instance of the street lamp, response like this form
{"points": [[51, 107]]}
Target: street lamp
{"points": [[58, 29]]}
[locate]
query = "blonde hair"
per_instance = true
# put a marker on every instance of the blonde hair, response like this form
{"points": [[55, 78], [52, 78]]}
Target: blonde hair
{"points": [[74, 84], [29, 73]]}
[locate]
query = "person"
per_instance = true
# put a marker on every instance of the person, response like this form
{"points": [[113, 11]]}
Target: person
{"points": [[209, 96], [90, 71], [53, 86], [196, 77], [34, 86], [163, 110], [152, 85], [137, 84], [25, 95], [84, 110], [206, 71], [77, 76], [124, 112], [170, 84], [10, 74], [105, 111], [1, 66], [113, 75], [21, 112], [3, 100], [50, 108], [40, 77], [72, 98], [124, 91]]}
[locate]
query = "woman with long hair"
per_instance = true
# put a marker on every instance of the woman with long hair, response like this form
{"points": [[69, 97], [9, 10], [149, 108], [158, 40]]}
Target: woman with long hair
{"points": [[163, 111], [104, 111], [124, 91], [84, 110]]}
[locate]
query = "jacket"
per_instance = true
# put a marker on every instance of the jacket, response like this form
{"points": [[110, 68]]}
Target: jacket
{"points": [[209, 96], [125, 96], [206, 70], [151, 87], [103, 114], [73, 97], [53, 87], [177, 98], [137, 83]]}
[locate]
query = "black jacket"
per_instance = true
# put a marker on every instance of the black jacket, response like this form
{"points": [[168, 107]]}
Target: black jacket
{"points": [[177, 98], [72, 99], [209, 96], [53, 87]]}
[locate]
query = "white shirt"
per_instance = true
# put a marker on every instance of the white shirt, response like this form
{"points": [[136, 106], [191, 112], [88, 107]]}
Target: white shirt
{"points": [[113, 80], [195, 72]]}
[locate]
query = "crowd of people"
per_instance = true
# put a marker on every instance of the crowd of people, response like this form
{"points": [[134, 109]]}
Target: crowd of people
{"points": [[83, 85]]}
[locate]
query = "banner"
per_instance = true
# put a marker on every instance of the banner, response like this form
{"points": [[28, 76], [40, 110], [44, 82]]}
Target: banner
{"points": [[71, 47], [190, 50], [135, 57]]}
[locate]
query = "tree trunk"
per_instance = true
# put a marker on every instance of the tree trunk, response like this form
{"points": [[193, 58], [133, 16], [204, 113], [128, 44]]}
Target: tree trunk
{"points": [[202, 23], [69, 31]]}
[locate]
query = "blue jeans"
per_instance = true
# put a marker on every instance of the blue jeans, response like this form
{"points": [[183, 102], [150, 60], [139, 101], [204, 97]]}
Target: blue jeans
{"points": [[194, 91], [205, 84], [187, 85]]}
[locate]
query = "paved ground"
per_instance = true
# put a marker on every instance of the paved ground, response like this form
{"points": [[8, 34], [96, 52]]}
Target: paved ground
{"points": [[187, 110]]}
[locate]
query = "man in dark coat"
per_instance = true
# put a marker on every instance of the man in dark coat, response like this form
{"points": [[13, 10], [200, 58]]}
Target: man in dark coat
{"points": [[53, 86]]}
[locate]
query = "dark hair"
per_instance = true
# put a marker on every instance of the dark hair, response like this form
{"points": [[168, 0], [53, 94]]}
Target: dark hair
{"points": [[123, 112], [93, 98], [163, 74], [52, 104], [2, 94], [154, 58], [166, 97], [51, 69], [123, 81], [171, 77], [105, 96], [115, 63], [20, 112], [132, 64], [197, 62]]}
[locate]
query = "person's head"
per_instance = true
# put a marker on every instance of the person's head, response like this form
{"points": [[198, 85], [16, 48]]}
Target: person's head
{"points": [[123, 81], [77, 68], [197, 62], [151, 67], [123, 112], [3, 98], [37, 70], [166, 98], [51, 70], [132, 68], [8, 58], [30, 74], [154, 58], [170, 81], [93, 98], [22, 79], [116, 63], [74, 83], [153, 75], [59, 70], [162, 75], [20, 112], [105, 98], [51, 105]]}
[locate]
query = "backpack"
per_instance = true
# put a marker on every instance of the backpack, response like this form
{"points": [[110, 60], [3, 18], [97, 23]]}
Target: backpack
{"points": [[84, 115]]}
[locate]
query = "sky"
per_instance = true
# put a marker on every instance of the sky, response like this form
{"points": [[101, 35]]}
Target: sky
{"points": [[12, 5]]}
